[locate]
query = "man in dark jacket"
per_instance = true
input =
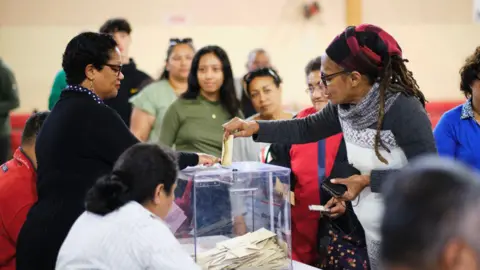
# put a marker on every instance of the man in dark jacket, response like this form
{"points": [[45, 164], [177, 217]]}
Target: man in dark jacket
{"points": [[8, 101], [120, 30]]}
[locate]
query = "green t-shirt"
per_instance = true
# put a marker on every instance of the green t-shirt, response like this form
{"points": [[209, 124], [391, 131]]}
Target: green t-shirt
{"points": [[155, 99], [195, 126], [59, 84]]}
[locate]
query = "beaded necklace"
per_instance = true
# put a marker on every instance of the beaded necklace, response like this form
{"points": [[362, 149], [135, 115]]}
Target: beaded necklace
{"points": [[81, 89]]}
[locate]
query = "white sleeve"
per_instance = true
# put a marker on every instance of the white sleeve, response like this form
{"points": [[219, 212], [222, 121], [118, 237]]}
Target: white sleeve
{"points": [[172, 258], [238, 151], [163, 251]]}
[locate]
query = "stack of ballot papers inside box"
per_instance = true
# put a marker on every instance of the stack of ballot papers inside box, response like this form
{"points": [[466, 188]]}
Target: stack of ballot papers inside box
{"points": [[257, 250]]}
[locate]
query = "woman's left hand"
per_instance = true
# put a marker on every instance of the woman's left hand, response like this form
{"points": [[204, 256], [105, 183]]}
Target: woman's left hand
{"points": [[207, 160], [355, 184], [335, 208]]}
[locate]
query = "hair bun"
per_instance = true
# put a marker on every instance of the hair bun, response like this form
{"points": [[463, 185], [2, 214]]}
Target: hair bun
{"points": [[122, 177], [108, 194], [112, 187]]}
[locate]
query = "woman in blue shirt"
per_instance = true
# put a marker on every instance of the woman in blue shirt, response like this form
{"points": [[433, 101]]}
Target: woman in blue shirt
{"points": [[458, 132]]}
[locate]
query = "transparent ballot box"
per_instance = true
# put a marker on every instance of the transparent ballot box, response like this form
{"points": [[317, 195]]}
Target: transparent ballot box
{"points": [[235, 217]]}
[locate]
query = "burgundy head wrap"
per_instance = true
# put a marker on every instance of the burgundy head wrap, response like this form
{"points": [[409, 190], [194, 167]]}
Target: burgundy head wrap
{"points": [[365, 48]]}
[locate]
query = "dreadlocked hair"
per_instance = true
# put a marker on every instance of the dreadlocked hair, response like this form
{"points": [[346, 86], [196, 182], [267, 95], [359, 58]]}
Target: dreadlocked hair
{"points": [[404, 78], [394, 72]]}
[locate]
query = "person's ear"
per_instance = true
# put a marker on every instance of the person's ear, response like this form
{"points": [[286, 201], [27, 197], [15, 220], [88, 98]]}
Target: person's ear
{"points": [[355, 78], [159, 193], [451, 255], [90, 71]]}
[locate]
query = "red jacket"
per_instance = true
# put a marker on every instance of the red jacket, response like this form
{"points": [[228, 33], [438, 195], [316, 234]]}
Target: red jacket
{"points": [[18, 193], [304, 162]]}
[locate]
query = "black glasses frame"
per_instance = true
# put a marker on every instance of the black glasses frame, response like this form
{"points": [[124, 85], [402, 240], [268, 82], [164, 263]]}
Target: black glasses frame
{"points": [[115, 68], [312, 89], [325, 77]]}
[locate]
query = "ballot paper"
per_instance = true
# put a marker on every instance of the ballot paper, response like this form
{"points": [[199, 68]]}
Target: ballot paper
{"points": [[255, 250], [319, 208], [284, 191], [227, 151], [175, 217]]}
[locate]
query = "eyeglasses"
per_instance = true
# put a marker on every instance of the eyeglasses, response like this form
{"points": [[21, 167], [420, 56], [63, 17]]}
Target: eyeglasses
{"points": [[316, 87], [116, 68], [326, 79], [175, 41]]}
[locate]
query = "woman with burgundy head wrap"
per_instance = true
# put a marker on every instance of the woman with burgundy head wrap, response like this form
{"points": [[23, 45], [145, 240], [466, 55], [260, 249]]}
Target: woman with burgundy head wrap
{"points": [[376, 103]]}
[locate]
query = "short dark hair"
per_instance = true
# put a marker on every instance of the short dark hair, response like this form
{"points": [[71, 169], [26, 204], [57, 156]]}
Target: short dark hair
{"points": [[426, 204], [32, 126], [85, 49], [135, 176], [261, 72], [228, 97], [314, 65], [116, 25], [469, 72]]}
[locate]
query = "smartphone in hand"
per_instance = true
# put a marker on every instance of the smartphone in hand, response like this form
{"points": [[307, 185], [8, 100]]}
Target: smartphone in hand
{"points": [[336, 190]]}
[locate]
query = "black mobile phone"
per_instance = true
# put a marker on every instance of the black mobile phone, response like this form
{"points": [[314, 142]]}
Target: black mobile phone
{"points": [[336, 190], [339, 170]]}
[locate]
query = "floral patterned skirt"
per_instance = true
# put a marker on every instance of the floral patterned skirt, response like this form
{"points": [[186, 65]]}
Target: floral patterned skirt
{"points": [[345, 253]]}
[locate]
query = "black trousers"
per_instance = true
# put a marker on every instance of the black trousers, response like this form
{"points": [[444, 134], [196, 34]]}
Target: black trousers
{"points": [[5, 149]]}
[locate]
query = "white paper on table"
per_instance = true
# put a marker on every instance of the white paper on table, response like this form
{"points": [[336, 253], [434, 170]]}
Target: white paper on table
{"points": [[175, 217]]}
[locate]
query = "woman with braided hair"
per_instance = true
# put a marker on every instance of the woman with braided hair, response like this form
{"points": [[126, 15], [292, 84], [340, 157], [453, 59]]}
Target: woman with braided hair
{"points": [[376, 103]]}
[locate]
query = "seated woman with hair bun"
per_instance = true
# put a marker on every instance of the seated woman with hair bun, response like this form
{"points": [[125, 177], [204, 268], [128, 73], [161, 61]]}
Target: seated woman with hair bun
{"points": [[123, 227]]}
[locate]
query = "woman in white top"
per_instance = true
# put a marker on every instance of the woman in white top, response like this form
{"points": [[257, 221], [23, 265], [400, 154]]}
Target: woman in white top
{"points": [[263, 87], [123, 227]]}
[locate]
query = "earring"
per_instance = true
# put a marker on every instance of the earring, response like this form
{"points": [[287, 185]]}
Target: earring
{"points": [[91, 85]]}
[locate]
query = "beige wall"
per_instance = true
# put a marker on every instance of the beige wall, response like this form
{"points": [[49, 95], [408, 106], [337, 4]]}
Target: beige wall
{"points": [[435, 35]]}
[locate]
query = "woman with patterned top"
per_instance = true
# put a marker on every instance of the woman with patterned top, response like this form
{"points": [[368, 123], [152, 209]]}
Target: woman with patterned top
{"points": [[311, 164], [376, 103]]}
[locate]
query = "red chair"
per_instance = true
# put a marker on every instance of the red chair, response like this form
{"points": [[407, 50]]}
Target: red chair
{"points": [[17, 123], [437, 109], [17, 120]]}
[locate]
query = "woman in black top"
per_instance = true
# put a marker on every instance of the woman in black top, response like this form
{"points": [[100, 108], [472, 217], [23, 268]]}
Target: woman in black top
{"points": [[80, 142]]}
